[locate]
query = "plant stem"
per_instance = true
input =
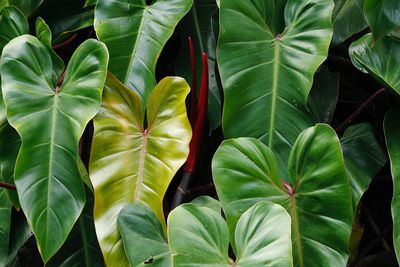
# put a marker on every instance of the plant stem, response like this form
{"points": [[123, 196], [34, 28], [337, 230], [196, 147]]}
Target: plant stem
{"points": [[358, 111], [7, 186], [66, 42]]}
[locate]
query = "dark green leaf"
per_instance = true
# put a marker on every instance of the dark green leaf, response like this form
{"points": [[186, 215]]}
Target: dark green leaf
{"points": [[383, 16], [317, 198], [135, 35], [5, 221], [143, 237], [267, 77], [46, 173], [26, 6]]}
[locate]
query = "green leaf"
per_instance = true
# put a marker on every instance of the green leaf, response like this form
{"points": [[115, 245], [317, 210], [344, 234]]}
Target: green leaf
{"points": [[324, 95], [363, 158], [46, 172], [12, 24], [43, 32], [197, 24], [320, 233], [143, 237], [379, 58], [81, 247], [392, 134], [348, 19], [5, 221], [26, 6], [383, 16], [90, 2], [133, 158], [199, 236], [207, 202], [135, 35], [268, 74]]}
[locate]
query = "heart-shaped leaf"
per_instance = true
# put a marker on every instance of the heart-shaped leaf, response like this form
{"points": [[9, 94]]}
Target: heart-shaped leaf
{"points": [[135, 155], [270, 74], [348, 19], [383, 16], [5, 219], [379, 58], [12, 24], [392, 134], [46, 172], [198, 236], [143, 237], [197, 24], [135, 34], [317, 194], [363, 158]]}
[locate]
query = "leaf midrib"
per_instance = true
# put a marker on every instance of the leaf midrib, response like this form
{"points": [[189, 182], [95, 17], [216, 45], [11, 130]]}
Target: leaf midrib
{"points": [[295, 222], [143, 150], [274, 92]]}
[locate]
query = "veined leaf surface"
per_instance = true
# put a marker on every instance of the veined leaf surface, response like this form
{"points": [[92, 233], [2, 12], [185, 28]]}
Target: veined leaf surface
{"points": [[46, 172], [134, 158]]}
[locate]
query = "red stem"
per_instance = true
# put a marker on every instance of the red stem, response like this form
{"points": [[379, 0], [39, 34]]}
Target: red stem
{"points": [[200, 120], [66, 42], [193, 99], [8, 186]]}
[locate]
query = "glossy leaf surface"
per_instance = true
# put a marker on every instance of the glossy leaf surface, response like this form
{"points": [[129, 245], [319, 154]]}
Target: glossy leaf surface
{"points": [[199, 236], [197, 24], [268, 74], [12, 24], [26, 6], [208, 202], [379, 58], [5, 221], [363, 158], [143, 237], [135, 34], [134, 163], [348, 19], [392, 134], [46, 173], [383, 16], [317, 195]]}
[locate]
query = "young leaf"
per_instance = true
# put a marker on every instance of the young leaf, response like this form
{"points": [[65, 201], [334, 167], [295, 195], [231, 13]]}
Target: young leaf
{"points": [[317, 194], [363, 158], [392, 134], [134, 158], [348, 19], [379, 58], [197, 24], [5, 221], [135, 35], [266, 76], [12, 24], [383, 16], [46, 172], [199, 236], [143, 237]]}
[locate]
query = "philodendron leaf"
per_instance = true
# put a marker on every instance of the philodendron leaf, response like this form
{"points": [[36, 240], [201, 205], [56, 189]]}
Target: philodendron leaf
{"points": [[317, 194], [270, 74], [12, 24], [135, 34], [379, 58], [46, 172], [392, 134], [198, 236], [143, 237], [5, 221], [43, 32], [363, 158], [197, 24], [26, 6], [81, 247], [135, 154], [348, 19], [383, 16], [208, 202]]}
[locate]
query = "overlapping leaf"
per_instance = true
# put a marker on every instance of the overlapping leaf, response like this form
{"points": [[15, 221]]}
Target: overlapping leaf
{"points": [[135, 34], [5, 219], [317, 194], [383, 16], [46, 172], [379, 58], [267, 77], [135, 155], [392, 134]]}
